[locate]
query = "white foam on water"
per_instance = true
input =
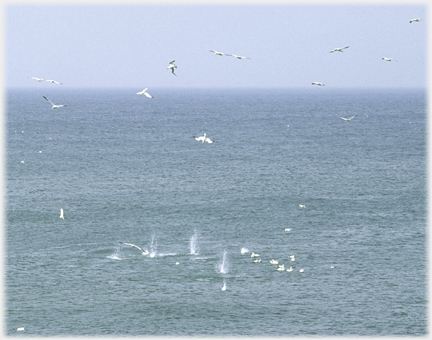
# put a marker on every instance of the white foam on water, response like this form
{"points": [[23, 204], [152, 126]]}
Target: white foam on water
{"points": [[224, 265]]}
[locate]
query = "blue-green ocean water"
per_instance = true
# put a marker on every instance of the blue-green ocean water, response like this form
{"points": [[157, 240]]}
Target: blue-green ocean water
{"points": [[127, 169]]}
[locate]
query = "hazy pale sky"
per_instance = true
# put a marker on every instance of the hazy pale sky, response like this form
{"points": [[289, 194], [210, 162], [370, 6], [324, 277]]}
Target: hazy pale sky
{"points": [[131, 45]]}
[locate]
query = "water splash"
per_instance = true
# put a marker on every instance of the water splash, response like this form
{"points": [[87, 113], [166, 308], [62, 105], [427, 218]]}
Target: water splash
{"points": [[224, 265], [115, 256], [153, 246], [224, 285], [244, 250], [194, 244]]}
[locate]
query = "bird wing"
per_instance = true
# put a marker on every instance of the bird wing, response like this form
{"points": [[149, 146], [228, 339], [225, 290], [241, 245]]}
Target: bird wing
{"points": [[343, 118], [172, 62], [208, 140], [48, 100], [148, 95], [353, 116], [199, 138], [132, 245]]}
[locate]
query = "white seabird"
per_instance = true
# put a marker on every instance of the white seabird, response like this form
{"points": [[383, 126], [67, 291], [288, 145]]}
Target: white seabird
{"points": [[301, 270], [172, 66], [339, 49], [237, 56], [388, 59], [318, 83], [290, 269], [144, 252], [348, 119], [257, 260], [292, 257], [61, 213], [143, 92], [216, 52], [281, 267], [38, 79], [20, 329], [54, 82], [274, 261], [53, 105], [254, 255], [413, 20], [302, 206], [203, 139], [287, 229]]}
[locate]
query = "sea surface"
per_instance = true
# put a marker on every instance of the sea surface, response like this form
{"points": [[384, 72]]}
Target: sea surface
{"points": [[126, 168]]}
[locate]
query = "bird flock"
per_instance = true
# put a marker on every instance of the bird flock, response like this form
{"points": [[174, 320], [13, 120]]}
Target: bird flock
{"points": [[204, 139]]}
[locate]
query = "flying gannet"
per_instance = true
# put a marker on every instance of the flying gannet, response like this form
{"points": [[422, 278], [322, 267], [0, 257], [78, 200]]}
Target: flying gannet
{"points": [[417, 20], [144, 252], [54, 82], [172, 66], [53, 105], [348, 119], [38, 79], [339, 49], [237, 56], [203, 139], [143, 92], [388, 59], [317, 83], [61, 213], [216, 52]]}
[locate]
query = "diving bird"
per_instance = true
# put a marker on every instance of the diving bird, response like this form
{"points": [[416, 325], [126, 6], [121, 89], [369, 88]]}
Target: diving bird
{"points": [[144, 252], [216, 52], [224, 286], [317, 83], [417, 20], [53, 105], [54, 82], [237, 56], [38, 79], [348, 119], [388, 59], [339, 49], [143, 92], [61, 213], [172, 66], [203, 139]]}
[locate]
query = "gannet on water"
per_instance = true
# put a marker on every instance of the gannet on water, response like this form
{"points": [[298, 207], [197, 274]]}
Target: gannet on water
{"points": [[292, 257], [204, 139], [274, 261], [144, 252], [348, 119], [172, 66], [61, 213], [339, 49], [281, 267], [301, 270], [254, 255], [290, 269], [287, 229], [53, 105], [143, 92], [257, 260], [302, 206]]}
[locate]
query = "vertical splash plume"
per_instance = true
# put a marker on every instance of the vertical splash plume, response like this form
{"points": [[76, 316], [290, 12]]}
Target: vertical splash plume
{"points": [[153, 246], [194, 244], [224, 265]]}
